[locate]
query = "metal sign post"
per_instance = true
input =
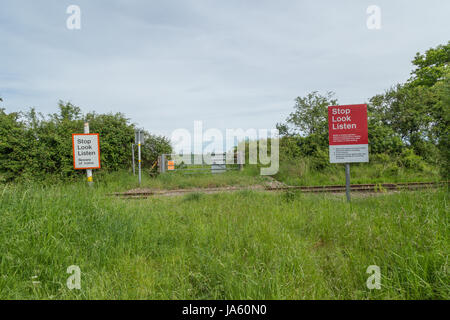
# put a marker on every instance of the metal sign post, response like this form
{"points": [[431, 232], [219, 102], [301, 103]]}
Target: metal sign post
{"points": [[138, 140], [139, 160], [163, 163], [132, 158], [347, 181]]}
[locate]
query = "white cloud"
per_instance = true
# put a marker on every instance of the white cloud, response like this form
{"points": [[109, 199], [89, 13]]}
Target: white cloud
{"points": [[232, 64]]}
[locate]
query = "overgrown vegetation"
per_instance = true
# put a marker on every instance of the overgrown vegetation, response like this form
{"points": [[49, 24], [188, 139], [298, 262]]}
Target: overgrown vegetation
{"points": [[38, 147], [408, 135], [123, 180], [242, 245], [408, 126]]}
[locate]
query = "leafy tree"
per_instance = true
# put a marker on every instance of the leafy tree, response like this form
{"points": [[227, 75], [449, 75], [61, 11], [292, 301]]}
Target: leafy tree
{"points": [[154, 146], [407, 110], [33, 146], [13, 148], [310, 116], [418, 110], [431, 66], [441, 127], [116, 136]]}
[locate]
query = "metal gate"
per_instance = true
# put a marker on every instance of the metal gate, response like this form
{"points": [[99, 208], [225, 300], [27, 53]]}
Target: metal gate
{"points": [[200, 163]]}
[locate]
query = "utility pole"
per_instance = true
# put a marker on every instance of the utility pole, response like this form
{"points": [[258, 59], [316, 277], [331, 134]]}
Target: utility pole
{"points": [[88, 171]]}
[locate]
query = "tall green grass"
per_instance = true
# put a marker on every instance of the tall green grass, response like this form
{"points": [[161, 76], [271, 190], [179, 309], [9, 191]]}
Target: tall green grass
{"points": [[124, 180], [302, 172], [242, 245]]}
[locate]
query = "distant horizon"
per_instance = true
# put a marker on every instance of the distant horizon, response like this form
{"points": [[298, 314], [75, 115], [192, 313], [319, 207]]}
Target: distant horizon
{"points": [[229, 64]]}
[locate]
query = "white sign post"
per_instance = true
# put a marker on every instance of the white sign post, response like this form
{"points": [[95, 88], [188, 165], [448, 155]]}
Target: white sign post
{"points": [[86, 151], [138, 139]]}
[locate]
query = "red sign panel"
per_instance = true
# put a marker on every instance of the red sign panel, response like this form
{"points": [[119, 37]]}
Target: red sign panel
{"points": [[348, 134], [347, 124]]}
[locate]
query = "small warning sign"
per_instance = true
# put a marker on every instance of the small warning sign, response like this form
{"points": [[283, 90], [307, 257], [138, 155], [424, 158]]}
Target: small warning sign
{"points": [[170, 165], [86, 151]]}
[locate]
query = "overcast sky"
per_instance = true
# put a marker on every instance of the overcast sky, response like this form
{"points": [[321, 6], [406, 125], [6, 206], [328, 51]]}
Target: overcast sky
{"points": [[231, 64]]}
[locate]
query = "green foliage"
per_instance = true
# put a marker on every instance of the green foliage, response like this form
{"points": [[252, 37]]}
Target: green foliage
{"points": [[13, 145], [407, 110], [431, 66], [116, 136], [410, 160], [33, 146], [310, 115], [289, 195], [193, 196], [383, 139], [419, 110], [221, 246], [392, 169], [441, 127], [409, 122], [153, 147]]}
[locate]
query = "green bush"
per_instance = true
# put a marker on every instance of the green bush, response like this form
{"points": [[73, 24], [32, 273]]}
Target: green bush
{"points": [[392, 169], [320, 159], [381, 158], [37, 147], [410, 160]]}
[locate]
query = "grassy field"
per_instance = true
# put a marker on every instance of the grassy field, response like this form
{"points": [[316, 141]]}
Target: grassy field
{"points": [[242, 245], [301, 173], [123, 180], [289, 174]]}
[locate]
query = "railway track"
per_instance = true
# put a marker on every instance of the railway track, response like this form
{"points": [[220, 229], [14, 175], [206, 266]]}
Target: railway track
{"points": [[374, 188], [380, 187]]}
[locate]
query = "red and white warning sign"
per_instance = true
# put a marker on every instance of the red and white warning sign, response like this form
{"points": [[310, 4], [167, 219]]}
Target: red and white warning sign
{"points": [[86, 150], [347, 128]]}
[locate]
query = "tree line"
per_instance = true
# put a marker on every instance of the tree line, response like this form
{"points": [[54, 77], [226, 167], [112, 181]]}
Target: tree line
{"points": [[39, 147], [408, 122], [408, 126]]}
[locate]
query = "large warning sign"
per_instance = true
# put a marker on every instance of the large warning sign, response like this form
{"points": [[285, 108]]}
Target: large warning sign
{"points": [[347, 127], [86, 150]]}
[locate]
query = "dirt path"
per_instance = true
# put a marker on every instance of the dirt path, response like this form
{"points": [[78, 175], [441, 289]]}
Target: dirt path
{"points": [[269, 184], [275, 186], [142, 192]]}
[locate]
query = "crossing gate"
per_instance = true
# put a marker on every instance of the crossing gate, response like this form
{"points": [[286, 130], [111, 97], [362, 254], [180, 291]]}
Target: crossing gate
{"points": [[201, 163]]}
